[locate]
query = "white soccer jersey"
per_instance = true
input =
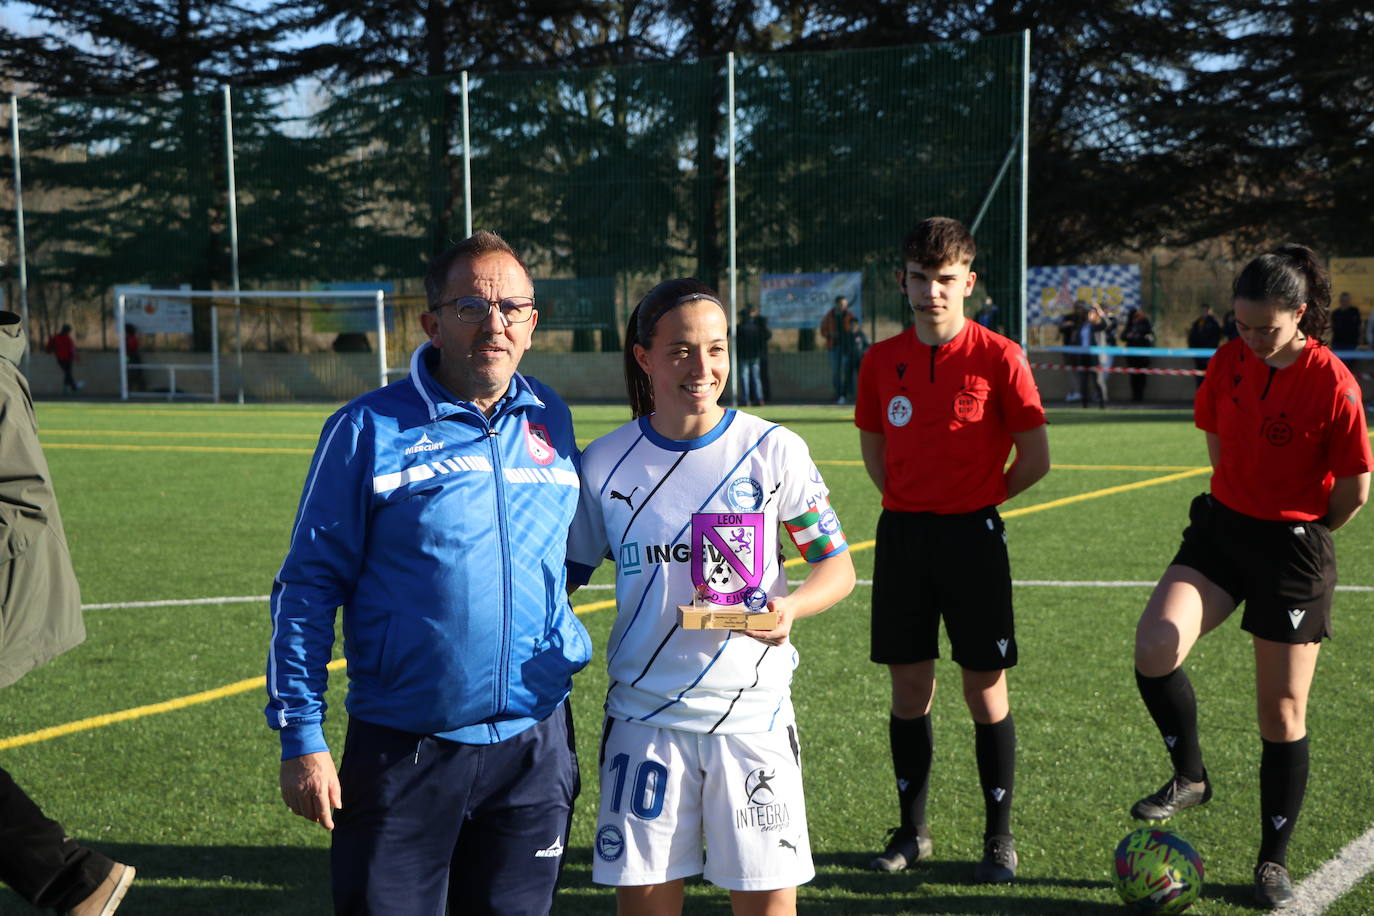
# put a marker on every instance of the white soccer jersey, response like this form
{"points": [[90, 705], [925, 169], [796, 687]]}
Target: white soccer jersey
{"points": [[666, 509]]}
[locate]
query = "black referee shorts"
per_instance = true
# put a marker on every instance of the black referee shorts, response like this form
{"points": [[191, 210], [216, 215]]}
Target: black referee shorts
{"points": [[1285, 572], [928, 566]]}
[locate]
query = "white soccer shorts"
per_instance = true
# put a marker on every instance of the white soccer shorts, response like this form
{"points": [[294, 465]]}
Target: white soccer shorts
{"points": [[664, 791]]}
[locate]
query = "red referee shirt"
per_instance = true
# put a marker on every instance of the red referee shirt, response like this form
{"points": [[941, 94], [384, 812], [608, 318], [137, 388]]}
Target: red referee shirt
{"points": [[1286, 434], [948, 413]]}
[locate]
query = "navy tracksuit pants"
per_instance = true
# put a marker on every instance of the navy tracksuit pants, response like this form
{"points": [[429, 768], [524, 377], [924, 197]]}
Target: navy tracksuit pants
{"points": [[428, 824]]}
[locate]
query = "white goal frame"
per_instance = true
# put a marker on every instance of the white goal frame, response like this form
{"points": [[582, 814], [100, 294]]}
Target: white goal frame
{"points": [[124, 293]]}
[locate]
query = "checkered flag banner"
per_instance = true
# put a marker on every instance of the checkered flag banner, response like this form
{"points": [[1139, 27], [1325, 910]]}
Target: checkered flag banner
{"points": [[1052, 291]]}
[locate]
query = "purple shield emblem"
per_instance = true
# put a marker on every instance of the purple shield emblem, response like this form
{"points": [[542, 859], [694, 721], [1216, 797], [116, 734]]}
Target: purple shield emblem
{"points": [[727, 554]]}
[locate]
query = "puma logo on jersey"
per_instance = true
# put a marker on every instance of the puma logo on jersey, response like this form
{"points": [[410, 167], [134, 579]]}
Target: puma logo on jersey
{"points": [[1002, 645], [1278, 820], [787, 844], [999, 794], [629, 500], [552, 851], [1295, 616]]}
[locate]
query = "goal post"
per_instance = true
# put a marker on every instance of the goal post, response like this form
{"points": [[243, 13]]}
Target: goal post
{"points": [[141, 310]]}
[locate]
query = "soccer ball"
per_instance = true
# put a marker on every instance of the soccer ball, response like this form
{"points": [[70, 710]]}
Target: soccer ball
{"points": [[1157, 871]]}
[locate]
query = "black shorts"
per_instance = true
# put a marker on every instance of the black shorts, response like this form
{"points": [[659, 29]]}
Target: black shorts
{"points": [[928, 566], [1285, 572]]}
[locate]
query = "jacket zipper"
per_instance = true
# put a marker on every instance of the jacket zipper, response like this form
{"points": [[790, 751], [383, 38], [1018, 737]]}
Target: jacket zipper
{"points": [[932, 362], [498, 476]]}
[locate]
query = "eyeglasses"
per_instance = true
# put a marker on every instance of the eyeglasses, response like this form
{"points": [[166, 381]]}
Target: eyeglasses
{"points": [[475, 309]]}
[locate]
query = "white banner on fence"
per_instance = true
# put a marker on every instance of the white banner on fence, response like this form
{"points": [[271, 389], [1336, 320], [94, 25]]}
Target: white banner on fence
{"points": [[154, 316], [801, 300], [1052, 291]]}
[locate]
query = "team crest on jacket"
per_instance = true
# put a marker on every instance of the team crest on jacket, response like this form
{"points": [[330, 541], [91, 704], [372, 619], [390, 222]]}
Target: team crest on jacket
{"points": [[727, 554], [539, 444]]}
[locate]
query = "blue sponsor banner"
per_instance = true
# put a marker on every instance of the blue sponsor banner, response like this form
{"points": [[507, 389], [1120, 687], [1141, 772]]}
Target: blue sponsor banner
{"points": [[801, 300], [1052, 291], [350, 316]]}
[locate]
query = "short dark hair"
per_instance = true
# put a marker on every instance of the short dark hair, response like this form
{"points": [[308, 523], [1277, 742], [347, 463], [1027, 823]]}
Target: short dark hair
{"points": [[481, 242], [939, 240]]}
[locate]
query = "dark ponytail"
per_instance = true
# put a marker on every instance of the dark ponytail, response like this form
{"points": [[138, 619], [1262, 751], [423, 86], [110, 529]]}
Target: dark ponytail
{"points": [[656, 303], [1289, 276]]}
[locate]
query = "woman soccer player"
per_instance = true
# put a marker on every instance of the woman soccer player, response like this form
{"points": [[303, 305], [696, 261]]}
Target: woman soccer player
{"points": [[700, 742], [1291, 462]]}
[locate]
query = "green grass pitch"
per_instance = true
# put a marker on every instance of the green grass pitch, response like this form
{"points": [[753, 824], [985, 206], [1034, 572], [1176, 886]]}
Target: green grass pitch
{"points": [[193, 502]]}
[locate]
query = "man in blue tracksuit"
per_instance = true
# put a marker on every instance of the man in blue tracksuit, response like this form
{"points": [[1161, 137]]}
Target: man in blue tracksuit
{"points": [[435, 514]]}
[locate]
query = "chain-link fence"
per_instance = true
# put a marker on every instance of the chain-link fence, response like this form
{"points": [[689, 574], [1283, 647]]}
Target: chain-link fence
{"points": [[606, 180]]}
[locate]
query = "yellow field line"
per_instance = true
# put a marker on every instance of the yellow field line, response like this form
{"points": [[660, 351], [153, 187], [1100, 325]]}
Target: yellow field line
{"points": [[252, 683], [227, 449], [1109, 491], [45, 407], [167, 434]]}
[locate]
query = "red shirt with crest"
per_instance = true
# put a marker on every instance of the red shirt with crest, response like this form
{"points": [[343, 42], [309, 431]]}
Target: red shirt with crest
{"points": [[1286, 434], [948, 413]]}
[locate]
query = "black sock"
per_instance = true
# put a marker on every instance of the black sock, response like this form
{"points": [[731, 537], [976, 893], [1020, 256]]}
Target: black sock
{"points": [[995, 746], [913, 747], [1283, 782], [1173, 706]]}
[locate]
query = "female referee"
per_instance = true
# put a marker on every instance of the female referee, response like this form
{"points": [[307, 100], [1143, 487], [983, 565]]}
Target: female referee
{"points": [[699, 742], [1290, 464]]}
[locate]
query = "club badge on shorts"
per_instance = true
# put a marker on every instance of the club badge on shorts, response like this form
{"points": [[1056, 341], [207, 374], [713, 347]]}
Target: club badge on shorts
{"points": [[727, 555]]}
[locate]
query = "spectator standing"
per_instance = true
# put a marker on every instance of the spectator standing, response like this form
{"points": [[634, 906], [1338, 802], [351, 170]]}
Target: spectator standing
{"points": [[840, 328], [435, 513], [41, 613], [1345, 325], [940, 408], [63, 349], [1094, 331], [987, 314], [751, 348], [133, 356], [1203, 334], [1068, 336], [1139, 332]]}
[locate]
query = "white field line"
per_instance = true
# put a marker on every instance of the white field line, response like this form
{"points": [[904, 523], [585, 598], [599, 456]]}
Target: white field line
{"points": [[1326, 885], [1020, 583]]}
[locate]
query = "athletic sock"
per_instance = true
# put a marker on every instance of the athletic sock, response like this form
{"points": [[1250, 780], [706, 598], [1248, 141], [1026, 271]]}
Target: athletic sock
{"points": [[1283, 782], [1173, 706], [995, 746], [913, 747]]}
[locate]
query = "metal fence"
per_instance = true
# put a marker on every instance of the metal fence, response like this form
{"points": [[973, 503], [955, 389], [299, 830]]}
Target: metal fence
{"points": [[606, 180]]}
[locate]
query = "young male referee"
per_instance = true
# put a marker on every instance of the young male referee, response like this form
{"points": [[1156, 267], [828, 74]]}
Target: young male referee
{"points": [[939, 408]]}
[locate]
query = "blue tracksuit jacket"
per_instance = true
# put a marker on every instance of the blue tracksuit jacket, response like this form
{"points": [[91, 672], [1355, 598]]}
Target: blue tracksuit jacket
{"points": [[441, 534]]}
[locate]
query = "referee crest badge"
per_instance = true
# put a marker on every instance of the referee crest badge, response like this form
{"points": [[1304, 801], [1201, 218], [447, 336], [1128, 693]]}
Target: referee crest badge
{"points": [[727, 554], [539, 444]]}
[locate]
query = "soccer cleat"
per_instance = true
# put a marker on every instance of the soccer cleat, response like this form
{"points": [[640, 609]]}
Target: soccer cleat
{"points": [[1273, 887], [107, 896], [903, 850], [998, 865], [1175, 795]]}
